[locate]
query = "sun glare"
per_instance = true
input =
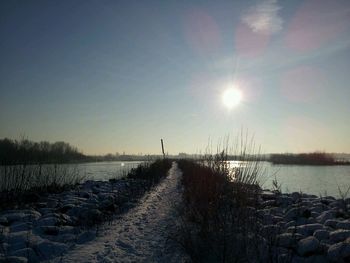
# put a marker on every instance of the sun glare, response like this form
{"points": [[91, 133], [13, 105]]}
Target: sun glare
{"points": [[231, 97]]}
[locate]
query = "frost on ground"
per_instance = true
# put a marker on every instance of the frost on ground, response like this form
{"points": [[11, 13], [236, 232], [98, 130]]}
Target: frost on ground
{"points": [[144, 234]]}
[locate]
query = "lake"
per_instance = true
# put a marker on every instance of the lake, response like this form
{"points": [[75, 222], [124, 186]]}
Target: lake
{"points": [[317, 180], [105, 170]]}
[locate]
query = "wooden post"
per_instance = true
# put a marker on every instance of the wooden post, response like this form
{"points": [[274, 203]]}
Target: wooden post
{"points": [[161, 141]]}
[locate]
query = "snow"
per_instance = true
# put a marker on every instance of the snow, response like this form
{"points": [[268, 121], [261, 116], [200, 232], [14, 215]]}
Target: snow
{"points": [[143, 234]]}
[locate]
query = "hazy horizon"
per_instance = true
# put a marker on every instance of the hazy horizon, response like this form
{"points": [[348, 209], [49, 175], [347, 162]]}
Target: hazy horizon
{"points": [[115, 76]]}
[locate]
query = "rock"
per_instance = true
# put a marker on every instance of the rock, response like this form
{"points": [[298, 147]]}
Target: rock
{"points": [[316, 259], [46, 210], [86, 237], [270, 230], [17, 237], [14, 217], [13, 259], [66, 238], [4, 221], [18, 226], [48, 249], [321, 234], [267, 219], [67, 230], [295, 196], [343, 225], [290, 224], [338, 252], [307, 246], [287, 240], [339, 235], [325, 216], [65, 208], [50, 230], [31, 215], [268, 195], [310, 259], [283, 200], [305, 230], [27, 253], [292, 214], [48, 221], [317, 209], [268, 203], [331, 223], [90, 216]]}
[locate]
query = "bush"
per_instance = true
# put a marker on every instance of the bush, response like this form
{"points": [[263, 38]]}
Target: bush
{"points": [[219, 219]]}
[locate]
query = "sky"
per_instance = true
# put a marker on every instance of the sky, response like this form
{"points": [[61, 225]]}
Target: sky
{"points": [[116, 76]]}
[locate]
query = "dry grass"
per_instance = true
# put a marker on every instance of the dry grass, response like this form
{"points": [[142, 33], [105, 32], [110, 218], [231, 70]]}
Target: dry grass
{"points": [[219, 220]]}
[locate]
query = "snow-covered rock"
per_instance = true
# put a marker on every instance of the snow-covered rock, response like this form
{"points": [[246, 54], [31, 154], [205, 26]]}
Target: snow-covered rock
{"points": [[339, 235], [343, 225], [338, 251], [307, 246], [325, 216], [321, 234], [48, 249]]}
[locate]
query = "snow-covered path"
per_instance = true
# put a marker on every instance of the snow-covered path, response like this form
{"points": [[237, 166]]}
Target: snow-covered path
{"points": [[142, 234]]}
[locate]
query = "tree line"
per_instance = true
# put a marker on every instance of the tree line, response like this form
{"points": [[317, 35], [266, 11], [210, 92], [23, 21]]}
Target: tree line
{"points": [[24, 151]]}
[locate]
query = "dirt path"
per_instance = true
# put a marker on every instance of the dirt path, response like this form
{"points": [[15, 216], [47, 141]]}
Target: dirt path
{"points": [[142, 234]]}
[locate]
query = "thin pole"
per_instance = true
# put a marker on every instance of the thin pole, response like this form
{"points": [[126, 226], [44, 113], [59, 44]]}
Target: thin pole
{"points": [[161, 141]]}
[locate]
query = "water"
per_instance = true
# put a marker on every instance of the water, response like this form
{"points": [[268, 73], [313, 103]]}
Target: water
{"points": [[317, 180], [105, 170]]}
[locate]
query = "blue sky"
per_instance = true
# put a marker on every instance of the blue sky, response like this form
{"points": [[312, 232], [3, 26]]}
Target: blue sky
{"points": [[114, 76]]}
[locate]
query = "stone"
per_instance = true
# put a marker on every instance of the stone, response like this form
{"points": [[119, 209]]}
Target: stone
{"points": [[48, 221], [331, 223], [325, 216], [290, 224], [13, 259], [286, 240], [50, 230], [308, 246], [4, 221], [316, 259], [27, 253], [48, 249], [343, 225], [321, 234], [305, 230], [86, 237], [292, 214], [66, 238], [13, 217], [270, 230], [295, 196], [18, 237], [19, 226], [339, 235], [268, 203], [90, 216], [338, 251], [284, 201], [65, 208]]}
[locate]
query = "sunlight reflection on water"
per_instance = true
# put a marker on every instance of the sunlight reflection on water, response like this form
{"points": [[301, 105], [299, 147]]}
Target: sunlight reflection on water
{"points": [[317, 180]]}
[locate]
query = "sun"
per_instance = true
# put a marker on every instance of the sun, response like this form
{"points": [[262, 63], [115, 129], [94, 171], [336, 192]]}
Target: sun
{"points": [[231, 97]]}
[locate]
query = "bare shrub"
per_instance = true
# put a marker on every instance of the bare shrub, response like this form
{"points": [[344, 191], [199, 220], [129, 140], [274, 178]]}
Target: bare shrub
{"points": [[23, 183], [219, 219]]}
